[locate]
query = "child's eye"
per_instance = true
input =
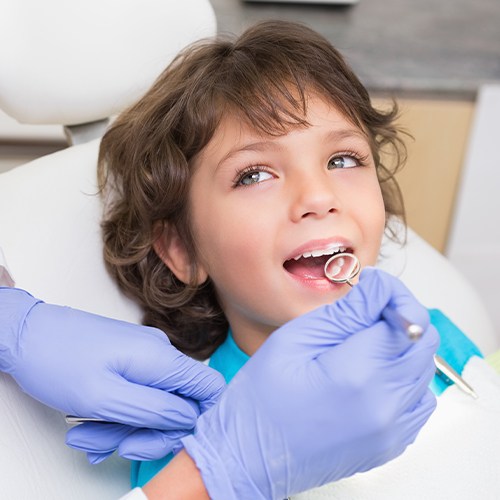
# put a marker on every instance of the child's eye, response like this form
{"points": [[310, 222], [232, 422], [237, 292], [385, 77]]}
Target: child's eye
{"points": [[253, 177], [343, 161]]}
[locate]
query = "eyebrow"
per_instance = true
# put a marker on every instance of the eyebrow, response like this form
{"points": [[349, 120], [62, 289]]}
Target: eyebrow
{"points": [[330, 136], [253, 146], [337, 135]]}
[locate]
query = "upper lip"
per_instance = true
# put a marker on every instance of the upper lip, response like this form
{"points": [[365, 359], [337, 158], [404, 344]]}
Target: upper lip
{"points": [[316, 248]]}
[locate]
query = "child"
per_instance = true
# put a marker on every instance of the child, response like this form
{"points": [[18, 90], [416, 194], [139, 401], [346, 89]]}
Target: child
{"points": [[232, 181]]}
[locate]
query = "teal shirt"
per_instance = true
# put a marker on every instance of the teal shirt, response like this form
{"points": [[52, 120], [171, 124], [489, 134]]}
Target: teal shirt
{"points": [[455, 348]]}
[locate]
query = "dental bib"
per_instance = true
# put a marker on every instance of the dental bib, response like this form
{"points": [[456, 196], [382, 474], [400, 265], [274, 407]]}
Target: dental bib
{"points": [[455, 456]]}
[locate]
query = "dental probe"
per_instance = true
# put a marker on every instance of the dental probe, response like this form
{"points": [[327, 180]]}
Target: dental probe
{"points": [[445, 369], [343, 267], [414, 332], [73, 419]]}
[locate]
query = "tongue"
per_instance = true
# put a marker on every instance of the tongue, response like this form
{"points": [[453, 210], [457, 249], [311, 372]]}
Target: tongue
{"points": [[310, 268]]}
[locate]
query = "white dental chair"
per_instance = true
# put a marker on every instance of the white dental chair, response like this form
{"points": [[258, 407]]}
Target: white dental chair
{"points": [[77, 65]]}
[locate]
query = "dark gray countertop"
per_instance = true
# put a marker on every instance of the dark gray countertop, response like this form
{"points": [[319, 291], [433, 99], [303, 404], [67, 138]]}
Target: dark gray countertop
{"points": [[433, 47]]}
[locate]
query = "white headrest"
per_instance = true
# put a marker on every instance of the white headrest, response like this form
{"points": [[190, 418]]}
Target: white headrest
{"points": [[66, 62]]}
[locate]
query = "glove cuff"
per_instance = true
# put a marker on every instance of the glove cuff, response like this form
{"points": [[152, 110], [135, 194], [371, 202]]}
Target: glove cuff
{"points": [[15, 305], [224, 477]]}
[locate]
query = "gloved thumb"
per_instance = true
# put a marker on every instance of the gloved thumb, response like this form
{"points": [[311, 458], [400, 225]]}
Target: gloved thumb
{"points": [[362, 307], [364, 304]]}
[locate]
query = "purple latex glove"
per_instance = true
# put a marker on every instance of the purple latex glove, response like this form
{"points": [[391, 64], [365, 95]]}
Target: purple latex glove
{"points": [[331, 393], [99, 441], [86, 365]]}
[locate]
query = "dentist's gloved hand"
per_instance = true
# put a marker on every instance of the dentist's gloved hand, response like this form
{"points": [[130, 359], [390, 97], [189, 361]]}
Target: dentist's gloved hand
{"points": [[99, 440], [90, 366], [331, 393]]}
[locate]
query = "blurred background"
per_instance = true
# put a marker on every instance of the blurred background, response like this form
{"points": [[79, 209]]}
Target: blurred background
{"points": [[441, 61]]}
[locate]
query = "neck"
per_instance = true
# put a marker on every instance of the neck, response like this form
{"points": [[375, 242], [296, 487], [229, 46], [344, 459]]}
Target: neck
{"points": [[249, 337]]}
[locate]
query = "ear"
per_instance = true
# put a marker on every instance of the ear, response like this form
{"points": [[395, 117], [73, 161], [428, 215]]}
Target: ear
{"points": [[172, 251]]}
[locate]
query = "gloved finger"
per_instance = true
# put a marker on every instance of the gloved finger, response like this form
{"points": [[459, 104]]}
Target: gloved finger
{"points": [[373, 356], [149, 444], [412, 421], [178, 446], [371, 349], [420, 355], [97, 458], [375, 291], [167, 368], [409, 394], [93, 437], [144, 406], [404, 431], [388, 344], [100, 440]]}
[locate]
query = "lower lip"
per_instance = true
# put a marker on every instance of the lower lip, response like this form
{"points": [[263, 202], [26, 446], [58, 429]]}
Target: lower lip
{"points": [[318, 283]]}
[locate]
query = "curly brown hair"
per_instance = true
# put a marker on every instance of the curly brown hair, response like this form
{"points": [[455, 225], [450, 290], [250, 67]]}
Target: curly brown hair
{"points": [[146, 157]]}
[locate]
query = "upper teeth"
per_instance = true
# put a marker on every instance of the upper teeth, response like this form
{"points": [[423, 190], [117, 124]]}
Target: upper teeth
{"points": [[319, 253]]}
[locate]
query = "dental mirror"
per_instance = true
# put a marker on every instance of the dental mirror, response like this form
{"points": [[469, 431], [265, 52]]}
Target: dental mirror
{"points": [[342, 268]]}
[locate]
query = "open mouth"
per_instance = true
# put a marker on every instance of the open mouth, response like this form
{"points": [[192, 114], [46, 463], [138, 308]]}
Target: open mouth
{"points": [[311, 265]]}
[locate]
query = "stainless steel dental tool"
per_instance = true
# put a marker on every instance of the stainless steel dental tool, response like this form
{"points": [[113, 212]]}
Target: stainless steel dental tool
{"points": [[449, 373], [344, 267]]}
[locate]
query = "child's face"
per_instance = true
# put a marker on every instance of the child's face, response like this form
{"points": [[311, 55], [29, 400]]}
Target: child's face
{"points": [[259, 202]]}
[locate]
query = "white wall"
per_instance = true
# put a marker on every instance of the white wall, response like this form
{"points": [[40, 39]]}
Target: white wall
{"points": [[474, 243]]}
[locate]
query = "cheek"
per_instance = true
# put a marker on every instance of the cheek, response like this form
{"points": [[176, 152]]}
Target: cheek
{"points": [[374, 199], [378, 228], [372, 219], [226, 237], [378, 210]]}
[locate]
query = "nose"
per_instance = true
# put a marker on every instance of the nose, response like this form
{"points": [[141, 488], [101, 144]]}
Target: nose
{"points": [[314, 197]]}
